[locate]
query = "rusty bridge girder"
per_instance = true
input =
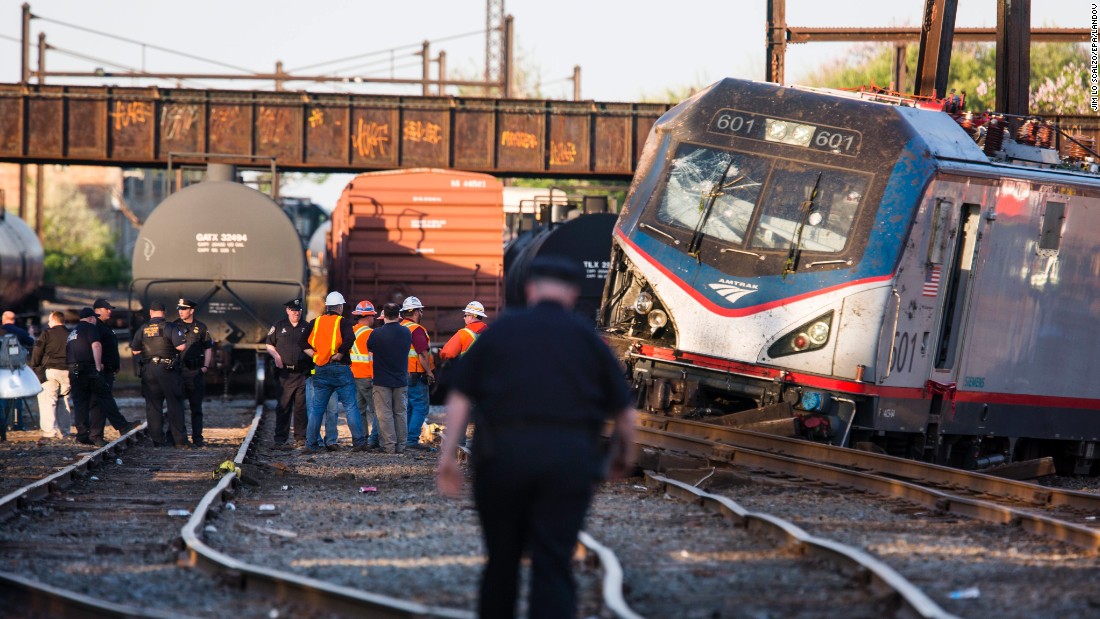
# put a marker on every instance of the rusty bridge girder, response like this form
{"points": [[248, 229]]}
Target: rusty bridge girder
{"points": [[117, 126]]}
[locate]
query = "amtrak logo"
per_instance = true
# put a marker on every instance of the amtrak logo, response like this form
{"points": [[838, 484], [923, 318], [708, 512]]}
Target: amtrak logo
{"points": [[733, 290]]}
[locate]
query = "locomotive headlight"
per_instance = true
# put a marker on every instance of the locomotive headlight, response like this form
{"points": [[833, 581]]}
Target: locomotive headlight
{"points": [[807, 337], [643, 303], [775, 130], [802, 135], [657, 319], [787, 132], [818, 332]]}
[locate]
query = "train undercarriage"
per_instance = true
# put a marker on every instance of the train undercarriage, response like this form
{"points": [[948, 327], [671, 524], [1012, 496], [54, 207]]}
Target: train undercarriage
{"points": [[777, 403]]}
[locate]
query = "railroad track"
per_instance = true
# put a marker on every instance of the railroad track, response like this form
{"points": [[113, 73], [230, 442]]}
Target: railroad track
{"points": [[1059, 514], [107, 536], [986, 565]]}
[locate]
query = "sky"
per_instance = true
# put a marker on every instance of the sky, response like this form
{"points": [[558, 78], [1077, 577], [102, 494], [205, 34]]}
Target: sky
{"points": [[627, 50]]}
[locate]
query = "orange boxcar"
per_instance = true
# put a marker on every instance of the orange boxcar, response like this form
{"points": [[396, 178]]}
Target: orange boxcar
{"points": [[430, 233]]}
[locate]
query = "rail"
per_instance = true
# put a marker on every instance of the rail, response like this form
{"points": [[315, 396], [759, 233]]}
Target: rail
{"points": [[769, 458]]}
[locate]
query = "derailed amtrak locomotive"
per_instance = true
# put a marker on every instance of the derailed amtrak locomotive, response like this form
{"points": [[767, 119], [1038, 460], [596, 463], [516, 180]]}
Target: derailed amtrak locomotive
{"points": [[862, 273]]}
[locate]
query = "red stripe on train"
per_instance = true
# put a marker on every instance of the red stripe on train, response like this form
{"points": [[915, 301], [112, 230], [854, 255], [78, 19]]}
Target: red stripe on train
{"points": [[868, 389], [744, 311]]}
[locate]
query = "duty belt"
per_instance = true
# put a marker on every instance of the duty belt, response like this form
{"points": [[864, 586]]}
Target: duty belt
{"points": [[162, 360]]}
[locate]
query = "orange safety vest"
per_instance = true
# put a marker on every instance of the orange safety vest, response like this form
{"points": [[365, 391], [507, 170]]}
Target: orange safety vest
{"points": [[325, 338], [362, 360], [473, 335], [462, 341], [414, 359]]}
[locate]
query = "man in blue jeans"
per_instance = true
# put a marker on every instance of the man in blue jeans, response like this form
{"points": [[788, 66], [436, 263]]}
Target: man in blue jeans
{"points": [[328, 339], [420, 370]]}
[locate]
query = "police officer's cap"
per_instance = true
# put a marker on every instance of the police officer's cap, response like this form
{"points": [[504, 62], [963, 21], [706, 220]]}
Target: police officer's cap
{"points": [[294, 304], [87, 312], [553, 266], [185, 304], [102, 304], [156, 306]]}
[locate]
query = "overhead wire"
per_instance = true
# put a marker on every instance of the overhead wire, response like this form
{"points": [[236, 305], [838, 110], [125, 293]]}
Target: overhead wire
{"points": [[387, 51], [144, 44]]}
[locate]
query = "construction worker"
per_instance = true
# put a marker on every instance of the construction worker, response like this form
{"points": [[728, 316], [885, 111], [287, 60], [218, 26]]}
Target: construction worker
{"points": [[328, 340], [362, 368], [461, 341], [420, 371], [457, 346]]}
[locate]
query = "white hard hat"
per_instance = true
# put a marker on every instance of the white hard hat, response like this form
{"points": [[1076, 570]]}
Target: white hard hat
{"points": [[334, 298], [475, 308], [411, 303]]}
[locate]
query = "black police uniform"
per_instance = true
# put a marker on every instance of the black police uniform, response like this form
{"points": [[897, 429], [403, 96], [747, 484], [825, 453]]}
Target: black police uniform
{"points": [[111, 365], [160, 379], [286, 339], [536, 447], [198, 341], [86, 384]]}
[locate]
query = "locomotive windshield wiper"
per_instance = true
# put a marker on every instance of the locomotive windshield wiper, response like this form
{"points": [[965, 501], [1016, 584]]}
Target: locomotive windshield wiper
{"points": [[796, 238], [711, 196]]}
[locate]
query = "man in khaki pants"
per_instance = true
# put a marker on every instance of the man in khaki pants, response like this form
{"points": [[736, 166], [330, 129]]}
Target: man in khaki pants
{"points": [[49, 355]]}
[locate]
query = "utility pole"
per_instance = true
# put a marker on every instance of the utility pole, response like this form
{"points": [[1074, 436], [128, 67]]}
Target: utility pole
{"points": [[441, 64], [26, 72], [934, 56], [494, 40], [25, 78], [426, 77], [506, 85], [1013, 59], [776, 40], [577, 82], [39, 177]]}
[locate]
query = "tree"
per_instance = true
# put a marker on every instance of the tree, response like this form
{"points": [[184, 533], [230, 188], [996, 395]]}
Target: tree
{"points": [[1058, 74], [79, 247]]}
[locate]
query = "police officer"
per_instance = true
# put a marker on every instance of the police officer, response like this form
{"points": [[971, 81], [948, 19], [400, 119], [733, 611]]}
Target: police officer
{"points": [[536, 448], [159, 343], [198, 358], [84, 354], [420, 370], [292, 367], [112, 362]]}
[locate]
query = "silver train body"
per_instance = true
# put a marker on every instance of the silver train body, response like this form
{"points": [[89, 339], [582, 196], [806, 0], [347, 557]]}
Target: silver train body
{"points": [[864, 269]]}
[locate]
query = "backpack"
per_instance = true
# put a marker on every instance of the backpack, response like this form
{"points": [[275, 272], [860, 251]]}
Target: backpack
{"points": [[12, 354]]}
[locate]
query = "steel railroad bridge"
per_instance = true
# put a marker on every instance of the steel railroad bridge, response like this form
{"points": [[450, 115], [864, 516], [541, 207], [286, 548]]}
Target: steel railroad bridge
{"points": [[150, 127]]}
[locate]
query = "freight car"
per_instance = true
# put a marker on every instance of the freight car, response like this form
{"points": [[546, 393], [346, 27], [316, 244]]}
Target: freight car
{"points": [[862, 271], [429, 233], [21, 267], [231, 249]]}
